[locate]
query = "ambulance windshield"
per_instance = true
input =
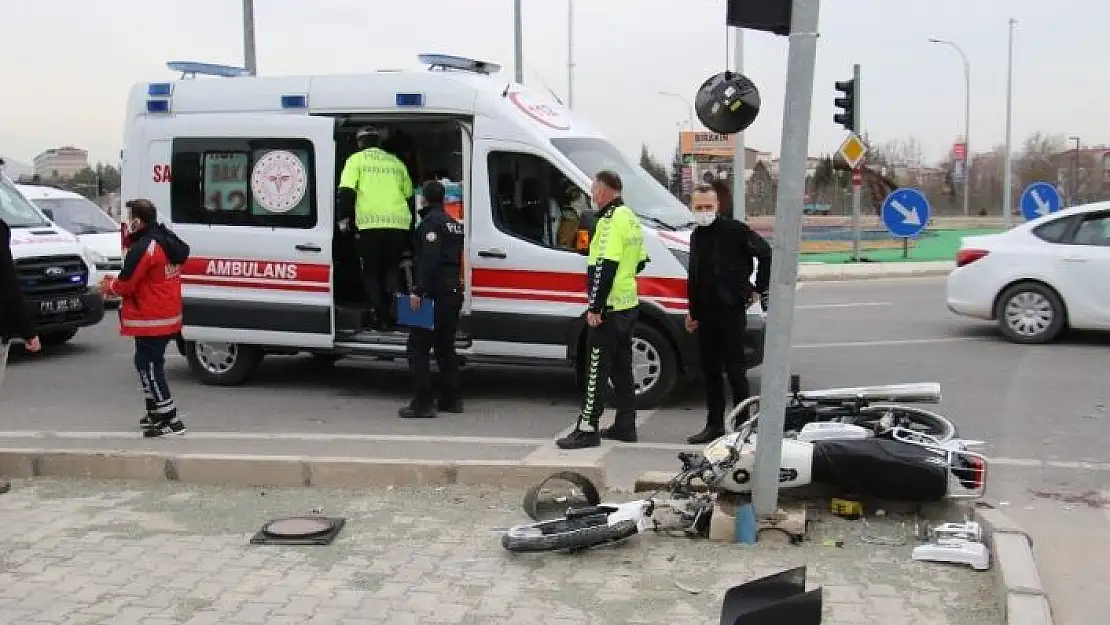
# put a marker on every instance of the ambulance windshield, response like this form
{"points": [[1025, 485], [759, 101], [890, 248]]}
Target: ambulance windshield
{"points": [[643, 194], [16, 211]]}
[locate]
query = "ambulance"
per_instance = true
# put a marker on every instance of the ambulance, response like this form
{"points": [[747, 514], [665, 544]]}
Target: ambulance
{"points": [[245, 169], [56, 272]]}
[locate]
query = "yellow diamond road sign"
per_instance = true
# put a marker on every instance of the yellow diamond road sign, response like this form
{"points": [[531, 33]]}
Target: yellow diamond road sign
{"points": [[852, 150]]}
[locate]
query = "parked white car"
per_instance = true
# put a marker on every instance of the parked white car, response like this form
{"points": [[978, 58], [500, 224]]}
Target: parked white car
{"points": [[1039, 278]]}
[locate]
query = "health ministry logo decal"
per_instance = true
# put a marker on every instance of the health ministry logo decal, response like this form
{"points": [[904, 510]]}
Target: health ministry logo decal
{"points": [[279, 181]]}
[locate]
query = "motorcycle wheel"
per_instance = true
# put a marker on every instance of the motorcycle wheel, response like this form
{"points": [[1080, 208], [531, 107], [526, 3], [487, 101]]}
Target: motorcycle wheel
{"points": [[920, 420]]}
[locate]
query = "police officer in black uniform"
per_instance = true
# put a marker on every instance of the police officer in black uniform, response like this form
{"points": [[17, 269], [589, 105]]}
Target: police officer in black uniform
{"points": [[437, 250]]}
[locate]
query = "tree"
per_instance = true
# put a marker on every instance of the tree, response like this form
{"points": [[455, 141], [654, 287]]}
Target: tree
{"points": [[1035, 161], [652, 166], [92, 183]]}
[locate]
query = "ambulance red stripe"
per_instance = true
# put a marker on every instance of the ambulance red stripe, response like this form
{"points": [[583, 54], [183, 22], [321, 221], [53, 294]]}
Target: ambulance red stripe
{"points": [[567, 282], [300, 287]]}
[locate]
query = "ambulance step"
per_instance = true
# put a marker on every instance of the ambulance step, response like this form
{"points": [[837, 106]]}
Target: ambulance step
{"points": [[398, 339]]}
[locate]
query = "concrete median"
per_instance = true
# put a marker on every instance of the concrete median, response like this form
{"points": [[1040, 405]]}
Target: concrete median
{"points": [[1016, 578], [830, 272], [282, 470]]}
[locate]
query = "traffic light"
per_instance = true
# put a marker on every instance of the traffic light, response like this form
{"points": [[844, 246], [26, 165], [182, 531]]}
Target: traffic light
{"points": [[770, 16], [847, 104]]}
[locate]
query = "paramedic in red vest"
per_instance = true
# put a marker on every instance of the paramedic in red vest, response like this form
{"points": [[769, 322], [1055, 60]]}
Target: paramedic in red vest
{"points": [[150, 286], [376, 189]]}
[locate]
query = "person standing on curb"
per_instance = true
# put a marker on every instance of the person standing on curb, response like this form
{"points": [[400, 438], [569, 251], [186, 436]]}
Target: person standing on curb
{"points": [[617, 255], [150, 286], [14, 320], [438, 250], [719, 291]]}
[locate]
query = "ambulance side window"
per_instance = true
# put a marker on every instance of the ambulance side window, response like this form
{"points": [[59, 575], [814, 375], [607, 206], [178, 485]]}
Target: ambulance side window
{"points": [[267, 183], [534, 201]]}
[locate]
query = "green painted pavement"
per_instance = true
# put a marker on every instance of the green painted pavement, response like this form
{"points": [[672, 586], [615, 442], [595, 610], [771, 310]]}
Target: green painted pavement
{"points": [[934, 245]]}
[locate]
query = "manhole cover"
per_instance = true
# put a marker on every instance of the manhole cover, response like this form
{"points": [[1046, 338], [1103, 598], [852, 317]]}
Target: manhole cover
{"points": [[297, 527]]}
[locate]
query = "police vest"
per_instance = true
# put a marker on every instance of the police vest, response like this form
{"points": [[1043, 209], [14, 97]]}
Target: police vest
{"points": [[382, 186], [618, 237]]}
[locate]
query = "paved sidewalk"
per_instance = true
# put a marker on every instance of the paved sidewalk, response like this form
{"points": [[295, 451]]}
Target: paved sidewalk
{"points": [[84, 552]]}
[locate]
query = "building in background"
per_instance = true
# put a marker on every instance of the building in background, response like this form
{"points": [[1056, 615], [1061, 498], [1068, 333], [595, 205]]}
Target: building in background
{"points": [[1083, 175], [61, 163]]}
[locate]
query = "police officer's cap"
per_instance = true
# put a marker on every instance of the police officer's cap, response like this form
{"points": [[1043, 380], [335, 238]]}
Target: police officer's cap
{"points": [[369, 132]]}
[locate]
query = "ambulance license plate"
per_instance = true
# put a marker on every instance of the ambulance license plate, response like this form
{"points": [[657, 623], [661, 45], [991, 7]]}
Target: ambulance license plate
{"points": [[54, 306]]}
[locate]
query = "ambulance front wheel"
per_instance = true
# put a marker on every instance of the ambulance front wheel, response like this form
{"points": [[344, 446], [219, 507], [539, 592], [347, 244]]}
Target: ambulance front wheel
{"points": [[222, 364]]}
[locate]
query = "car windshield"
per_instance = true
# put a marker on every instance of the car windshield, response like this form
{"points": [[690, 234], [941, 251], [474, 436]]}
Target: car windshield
{"points": [[16, 211], [78, 215], [643, 194]]}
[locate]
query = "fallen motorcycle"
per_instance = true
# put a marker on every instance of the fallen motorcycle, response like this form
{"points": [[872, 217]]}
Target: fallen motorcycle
{"points": [[895, 464]]}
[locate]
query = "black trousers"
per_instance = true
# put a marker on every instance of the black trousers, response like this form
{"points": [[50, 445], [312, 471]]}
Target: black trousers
{"points": [[380, 250], [721, 343], [441, 339], [150, 362], [609, 357]]}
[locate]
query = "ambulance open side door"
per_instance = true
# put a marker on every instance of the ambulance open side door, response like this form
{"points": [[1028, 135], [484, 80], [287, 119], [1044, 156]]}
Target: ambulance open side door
{"points": [[252, 194]]}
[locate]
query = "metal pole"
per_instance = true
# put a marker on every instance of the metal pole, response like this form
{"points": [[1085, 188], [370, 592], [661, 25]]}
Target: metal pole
{"points": [[1075, 174], [784, 263], [249, 59], [1008, 173], [740, 156], [967, 133], [570, 53], [689, 107], [518, 42], [857, 200]]}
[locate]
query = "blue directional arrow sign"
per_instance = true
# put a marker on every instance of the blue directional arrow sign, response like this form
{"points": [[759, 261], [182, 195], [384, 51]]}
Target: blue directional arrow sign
{"points": [[905, 213], [1039, 199]]}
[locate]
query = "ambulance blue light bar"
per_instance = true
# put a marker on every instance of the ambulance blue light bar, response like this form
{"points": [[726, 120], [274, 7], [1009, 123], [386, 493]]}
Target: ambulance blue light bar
{"points": [[410, 100], [294, 101], [157, 106], [159, 89]]}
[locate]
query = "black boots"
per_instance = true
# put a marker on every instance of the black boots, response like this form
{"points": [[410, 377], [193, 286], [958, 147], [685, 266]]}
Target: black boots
{"points": [[707, 435], [579, 439]]}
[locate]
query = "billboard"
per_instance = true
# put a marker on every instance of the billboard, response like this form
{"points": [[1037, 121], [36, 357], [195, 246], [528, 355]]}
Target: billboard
{"points": [[704, 143]]}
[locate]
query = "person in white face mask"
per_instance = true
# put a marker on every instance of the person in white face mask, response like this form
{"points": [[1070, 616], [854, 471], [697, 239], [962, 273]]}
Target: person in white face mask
{"points": [[719, 291]]}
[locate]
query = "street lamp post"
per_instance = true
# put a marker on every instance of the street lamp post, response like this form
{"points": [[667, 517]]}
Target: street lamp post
{"points": [[1008, 172], [689, 107], [249, 59], [967, 122], [518, 43], [1075, 173], [570, 54]]}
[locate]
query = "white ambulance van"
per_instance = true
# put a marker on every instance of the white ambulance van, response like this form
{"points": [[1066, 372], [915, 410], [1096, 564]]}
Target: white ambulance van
{"points": [[78, 216], [56, 272], [245, 170]]}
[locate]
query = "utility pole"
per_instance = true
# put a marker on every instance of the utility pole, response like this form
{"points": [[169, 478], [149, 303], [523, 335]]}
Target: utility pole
{"points": [[857, 172], [1075, 174], [570, 54], [1008, 172], [740, 157], [518, 42], [249, 59], [784, 263]]}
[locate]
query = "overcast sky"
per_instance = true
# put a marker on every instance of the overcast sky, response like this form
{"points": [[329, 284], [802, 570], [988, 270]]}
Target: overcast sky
{"points": [[66, 65]]}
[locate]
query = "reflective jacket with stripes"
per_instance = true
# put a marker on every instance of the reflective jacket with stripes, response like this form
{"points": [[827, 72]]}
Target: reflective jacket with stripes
{"points": [[150, 284]]}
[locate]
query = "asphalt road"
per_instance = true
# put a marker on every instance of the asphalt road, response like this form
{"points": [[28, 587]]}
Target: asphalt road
{"points": [[1041, 409]]}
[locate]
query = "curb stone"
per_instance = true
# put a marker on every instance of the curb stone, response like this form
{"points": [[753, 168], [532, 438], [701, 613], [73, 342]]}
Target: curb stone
{"points": [[868, 271], [1016, 578], [282, 471]]}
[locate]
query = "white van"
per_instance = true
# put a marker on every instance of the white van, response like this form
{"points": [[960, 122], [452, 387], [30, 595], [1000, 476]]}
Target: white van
{"points": [[245, 169], [58, 278], [75, 214]]}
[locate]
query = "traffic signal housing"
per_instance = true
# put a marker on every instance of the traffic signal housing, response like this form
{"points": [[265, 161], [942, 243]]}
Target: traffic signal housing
{"points": [[846, 103]]}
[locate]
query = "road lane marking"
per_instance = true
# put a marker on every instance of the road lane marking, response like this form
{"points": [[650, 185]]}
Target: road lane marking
{"points": [[1003, 461], [890, 343], [842, 305]]}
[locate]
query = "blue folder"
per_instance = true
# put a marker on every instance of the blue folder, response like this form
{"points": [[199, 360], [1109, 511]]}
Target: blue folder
{"points": [[423, 317]]}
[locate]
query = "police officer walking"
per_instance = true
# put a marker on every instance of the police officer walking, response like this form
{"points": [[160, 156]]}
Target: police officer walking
{"points": [[376, 188], [617, 254], [719, 291], [437, 250]]}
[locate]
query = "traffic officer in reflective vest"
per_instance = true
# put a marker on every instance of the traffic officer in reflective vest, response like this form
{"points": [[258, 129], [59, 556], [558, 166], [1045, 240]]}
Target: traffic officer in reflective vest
{"points": [[617, 254], [375, 186], [437, 249]]}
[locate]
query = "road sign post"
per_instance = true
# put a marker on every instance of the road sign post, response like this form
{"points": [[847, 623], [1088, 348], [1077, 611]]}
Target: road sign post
{"points": [[905, 213], [1039, 199], [784, 263], [857, 173]]}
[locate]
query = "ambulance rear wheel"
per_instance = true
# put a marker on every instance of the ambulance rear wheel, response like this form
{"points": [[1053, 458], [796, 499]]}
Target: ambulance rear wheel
{"points": [[222, 364], [654, 368]]}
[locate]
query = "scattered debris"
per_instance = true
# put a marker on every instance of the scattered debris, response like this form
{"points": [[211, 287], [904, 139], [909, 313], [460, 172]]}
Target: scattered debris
{"points": [[302, 530]]}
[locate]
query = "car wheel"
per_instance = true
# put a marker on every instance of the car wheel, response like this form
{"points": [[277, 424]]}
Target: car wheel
{"points": [[1030, 313], [222, 364], [55, 339]]}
